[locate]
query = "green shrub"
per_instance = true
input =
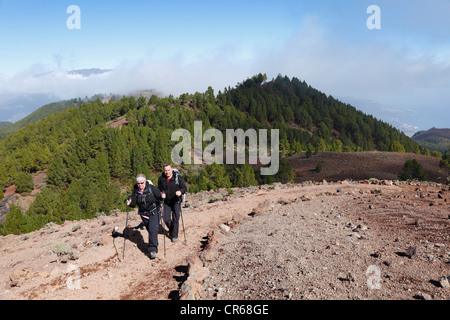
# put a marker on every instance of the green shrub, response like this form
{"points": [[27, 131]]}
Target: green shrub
{"points": [[216, 197], [319, 167], [64, 252], [24, 182], [412, 169], [15, 222]]}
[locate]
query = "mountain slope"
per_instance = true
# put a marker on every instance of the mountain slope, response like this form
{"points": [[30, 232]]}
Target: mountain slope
{"points": [[434, 139], [16, 106], [4, 124], [35, 116], [324, 122]]}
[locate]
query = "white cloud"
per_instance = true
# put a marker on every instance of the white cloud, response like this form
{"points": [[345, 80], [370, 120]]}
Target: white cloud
{"points": [[374, 71]]}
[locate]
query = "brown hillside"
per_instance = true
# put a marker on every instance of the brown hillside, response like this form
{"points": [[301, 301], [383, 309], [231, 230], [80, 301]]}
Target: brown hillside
{"points": [[361, 165]]}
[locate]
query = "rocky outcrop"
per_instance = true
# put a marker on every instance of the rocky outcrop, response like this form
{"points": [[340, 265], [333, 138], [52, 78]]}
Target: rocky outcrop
{"points": [[197, 268]]}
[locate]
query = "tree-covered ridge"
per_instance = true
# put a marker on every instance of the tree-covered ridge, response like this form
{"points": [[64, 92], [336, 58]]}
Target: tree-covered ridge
{"points": [[312, 119], [90, 162], [37, 115], [433, 139]]}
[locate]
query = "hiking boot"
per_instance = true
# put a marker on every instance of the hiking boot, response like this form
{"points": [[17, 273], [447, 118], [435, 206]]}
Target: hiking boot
{"points": [[152, 255], [174, 239]]}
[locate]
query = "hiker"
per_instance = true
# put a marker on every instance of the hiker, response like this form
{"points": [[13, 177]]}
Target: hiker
{"points": [[172, 188], [148, 199]]}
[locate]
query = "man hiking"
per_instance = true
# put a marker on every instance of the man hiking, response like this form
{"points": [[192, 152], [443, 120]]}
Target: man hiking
{"points": [[172, 188], [148, 199]]}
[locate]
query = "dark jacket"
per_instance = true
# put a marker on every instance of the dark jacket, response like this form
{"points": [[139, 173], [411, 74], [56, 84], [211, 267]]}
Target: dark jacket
{"points": [[147, 201], [170, 187]]}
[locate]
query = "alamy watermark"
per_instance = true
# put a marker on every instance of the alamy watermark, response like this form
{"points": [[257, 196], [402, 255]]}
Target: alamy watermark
{"points": [[257, 147], [374, 21], [73, 281], [74, 21], [374, 277]]}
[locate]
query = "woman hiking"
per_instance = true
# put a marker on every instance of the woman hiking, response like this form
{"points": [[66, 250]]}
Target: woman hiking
{"points": [[148, 199]]}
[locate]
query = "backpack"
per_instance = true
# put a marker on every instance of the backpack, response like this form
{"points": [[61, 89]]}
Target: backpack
{"points": [[183, 199], [158, 203], [176, 176]]}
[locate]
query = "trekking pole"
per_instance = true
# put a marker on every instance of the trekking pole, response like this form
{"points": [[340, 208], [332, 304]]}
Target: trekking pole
{"points": [[125, 230], [162, 226], [182, 221]]}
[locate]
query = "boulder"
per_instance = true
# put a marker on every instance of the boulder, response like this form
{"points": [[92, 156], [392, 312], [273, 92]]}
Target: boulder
{"points": [[443, 281], [190, 290], [224, 228]]}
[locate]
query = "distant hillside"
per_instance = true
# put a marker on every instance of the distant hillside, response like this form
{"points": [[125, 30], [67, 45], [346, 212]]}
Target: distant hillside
{"points": [[4, 124], [35, 116], [7, 127], [17, 106], [433, 139]]}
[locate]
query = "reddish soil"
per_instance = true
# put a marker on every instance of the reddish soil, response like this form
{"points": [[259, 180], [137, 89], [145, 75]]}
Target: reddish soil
{"points": [[117, 124], [339, 241], [361, 165], [22, 200]]}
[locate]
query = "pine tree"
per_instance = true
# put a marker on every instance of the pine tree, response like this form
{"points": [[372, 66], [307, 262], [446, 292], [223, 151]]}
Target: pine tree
{"points": [[319, 167], [162, 151], [249, 175], [44, 209], [244, 176], [412, 169], [141, 102], [396, 147], [56, 173], [238, 177], [15, 222], [24, 182], [218, 176]]}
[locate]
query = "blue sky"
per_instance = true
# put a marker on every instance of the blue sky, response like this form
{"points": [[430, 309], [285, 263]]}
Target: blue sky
{"points": [[399, 73]]}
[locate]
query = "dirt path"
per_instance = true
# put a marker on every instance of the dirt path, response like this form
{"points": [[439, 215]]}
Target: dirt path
{"points": [[98, 272], [266, 263]]}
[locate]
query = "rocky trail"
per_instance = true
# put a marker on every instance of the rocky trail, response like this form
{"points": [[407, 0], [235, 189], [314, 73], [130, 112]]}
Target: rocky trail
{"points": [[343, 240]]}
